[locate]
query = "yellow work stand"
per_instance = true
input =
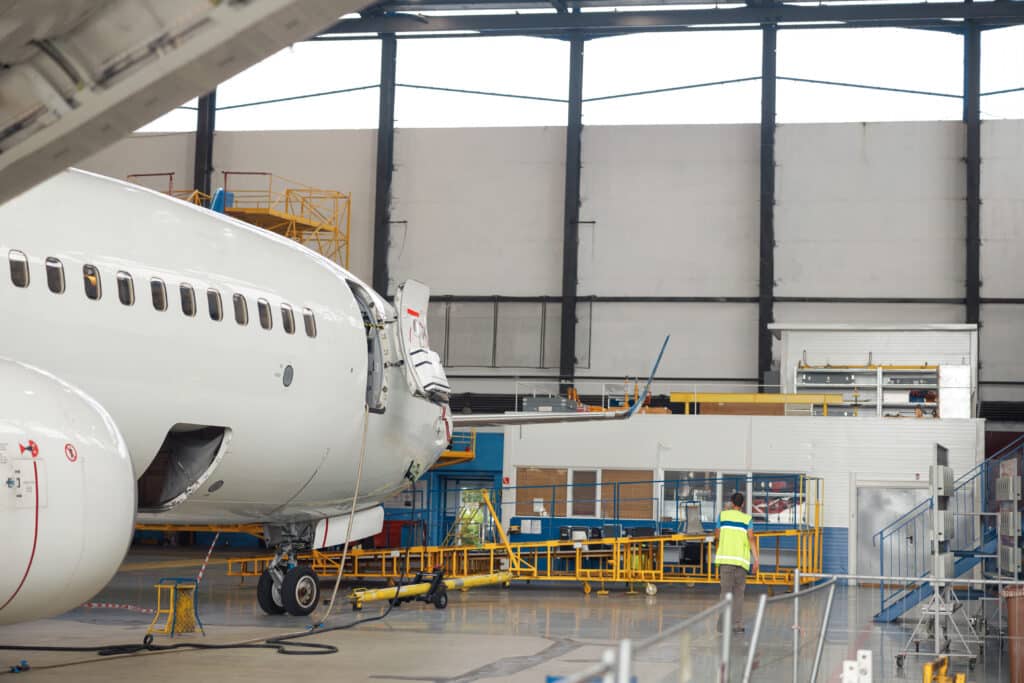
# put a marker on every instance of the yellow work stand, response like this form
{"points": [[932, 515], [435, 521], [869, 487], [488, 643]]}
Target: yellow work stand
{"points": [[176, 600]]}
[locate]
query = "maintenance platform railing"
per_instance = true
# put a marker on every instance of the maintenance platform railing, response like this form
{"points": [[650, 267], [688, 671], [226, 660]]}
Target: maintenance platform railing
{"points": [[648, 557], [903, 545], [320, 219]]}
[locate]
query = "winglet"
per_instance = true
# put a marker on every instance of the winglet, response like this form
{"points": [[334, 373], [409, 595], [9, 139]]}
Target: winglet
{"points": [[647, 387]]}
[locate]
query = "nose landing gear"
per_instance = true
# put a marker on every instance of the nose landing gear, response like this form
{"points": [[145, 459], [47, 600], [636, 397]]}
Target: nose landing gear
{"points": [[288, 587]]}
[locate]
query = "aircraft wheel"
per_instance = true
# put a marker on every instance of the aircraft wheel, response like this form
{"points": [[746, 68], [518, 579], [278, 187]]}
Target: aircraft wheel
{"points": [[268, 596], [300, 591]]}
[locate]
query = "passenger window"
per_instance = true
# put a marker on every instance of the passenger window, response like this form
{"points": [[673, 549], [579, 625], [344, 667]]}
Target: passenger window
{"points": [[156, 285], [213, 301], [93, 286], [266, 320], [307, 316], [188, 300], [55, 275], [241, 310], [125, 288], [287, 319], [19, 268]]}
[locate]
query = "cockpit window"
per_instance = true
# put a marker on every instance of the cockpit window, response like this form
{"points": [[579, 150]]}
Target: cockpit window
{"points": [[93, 286], [19, 268]]}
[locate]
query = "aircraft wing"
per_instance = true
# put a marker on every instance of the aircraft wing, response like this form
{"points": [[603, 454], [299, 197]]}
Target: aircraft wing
{"points": [[77, 75], [498, 420]]}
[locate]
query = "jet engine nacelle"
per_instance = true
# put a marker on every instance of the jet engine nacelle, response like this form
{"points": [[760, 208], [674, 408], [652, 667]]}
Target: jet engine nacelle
{"points": [[67, 495]]}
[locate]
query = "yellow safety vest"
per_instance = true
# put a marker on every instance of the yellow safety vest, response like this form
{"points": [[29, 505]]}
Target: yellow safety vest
{"points": [[733, 544]]}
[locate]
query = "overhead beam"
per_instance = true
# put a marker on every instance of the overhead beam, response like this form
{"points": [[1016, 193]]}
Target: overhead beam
{"points": [[385, 163], [205, 125], [909, 15], [571, 226], [766, 272], [972, 119]]}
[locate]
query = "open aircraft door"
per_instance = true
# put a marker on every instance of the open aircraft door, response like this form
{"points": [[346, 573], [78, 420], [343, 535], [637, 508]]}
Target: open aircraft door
{"points": [[423, 367]]}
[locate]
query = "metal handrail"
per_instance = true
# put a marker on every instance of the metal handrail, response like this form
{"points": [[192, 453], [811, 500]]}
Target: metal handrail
{"points": [[619, 660]]}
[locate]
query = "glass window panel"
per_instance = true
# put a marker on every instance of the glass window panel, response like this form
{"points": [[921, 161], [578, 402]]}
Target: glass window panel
{"points": [[213, 303], [519, 335], [584, 493], [471, 330], [188, 300], [776, 498], [287, 319], [266, 317], [241, 309], [125, 288], [91, 279], [552, 334], [55, 275], [310, 322], [19, 268], [159, 291]]}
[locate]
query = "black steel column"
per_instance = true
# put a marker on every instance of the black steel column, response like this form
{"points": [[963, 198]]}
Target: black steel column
{"points": [[205, 125], [766, 276], [972, 117], [571, 228], [385, 163]]}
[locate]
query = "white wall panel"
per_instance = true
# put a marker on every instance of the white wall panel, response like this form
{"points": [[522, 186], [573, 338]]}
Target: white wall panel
{"points": [[674, 211], [1002, 208], [331, 159], [833, 449], [868, 313], [870, 210], [708, 340], [341, 160], [1002, 341], [887, 347], [147, 153], [479, 211]]}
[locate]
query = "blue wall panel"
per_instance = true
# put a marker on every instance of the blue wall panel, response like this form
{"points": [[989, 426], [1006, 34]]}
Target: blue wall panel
{"points": [[835, 550]]}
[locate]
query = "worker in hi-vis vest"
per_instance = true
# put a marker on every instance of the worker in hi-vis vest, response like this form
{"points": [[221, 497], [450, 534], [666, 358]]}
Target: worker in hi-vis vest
{"points": [[734, 538]]}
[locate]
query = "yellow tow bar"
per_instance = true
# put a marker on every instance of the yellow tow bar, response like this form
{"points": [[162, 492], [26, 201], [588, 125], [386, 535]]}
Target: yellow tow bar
{"points": [[361, 596]]}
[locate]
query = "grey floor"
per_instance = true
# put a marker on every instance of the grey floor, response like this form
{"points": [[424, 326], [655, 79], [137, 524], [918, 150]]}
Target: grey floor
{"points": [[526, 633]]}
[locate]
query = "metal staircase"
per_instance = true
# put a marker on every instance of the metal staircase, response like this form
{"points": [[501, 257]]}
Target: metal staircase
{"points": [[903, 546]]}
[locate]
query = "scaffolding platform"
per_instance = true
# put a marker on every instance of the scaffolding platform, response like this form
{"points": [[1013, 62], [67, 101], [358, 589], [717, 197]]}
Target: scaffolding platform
{"points": [[320, 219], [678, 558]]}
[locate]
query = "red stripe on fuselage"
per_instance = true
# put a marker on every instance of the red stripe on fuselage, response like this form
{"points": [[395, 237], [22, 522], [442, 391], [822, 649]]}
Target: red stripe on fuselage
{"points": [[35, 537]]}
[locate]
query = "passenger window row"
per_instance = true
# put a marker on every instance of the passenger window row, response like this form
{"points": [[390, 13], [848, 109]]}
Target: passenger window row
{"points": [[21, 277]]}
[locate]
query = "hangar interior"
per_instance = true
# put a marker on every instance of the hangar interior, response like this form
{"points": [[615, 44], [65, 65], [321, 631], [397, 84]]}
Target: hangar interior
{"points": [[843, 306]]}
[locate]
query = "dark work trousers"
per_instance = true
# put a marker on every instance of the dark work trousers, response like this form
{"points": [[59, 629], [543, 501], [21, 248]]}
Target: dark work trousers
{"points": [[733, 580]]}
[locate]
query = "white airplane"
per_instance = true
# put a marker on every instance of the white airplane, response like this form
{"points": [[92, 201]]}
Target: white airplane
{"points": [[171, 364]]}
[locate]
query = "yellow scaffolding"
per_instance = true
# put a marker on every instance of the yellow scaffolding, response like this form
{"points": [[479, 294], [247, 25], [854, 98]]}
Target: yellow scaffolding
{"points": [[594, 561], [319, 219], [462, 449]]}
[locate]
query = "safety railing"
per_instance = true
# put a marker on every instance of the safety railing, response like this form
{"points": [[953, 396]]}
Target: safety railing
{"points": [[903, 545], [787, 500], [791, 634], [697, 648], [789, 627], [319, 218]]}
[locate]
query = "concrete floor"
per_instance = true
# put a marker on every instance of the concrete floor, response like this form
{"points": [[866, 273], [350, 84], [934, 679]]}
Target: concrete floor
{"points": [[523, 634]]}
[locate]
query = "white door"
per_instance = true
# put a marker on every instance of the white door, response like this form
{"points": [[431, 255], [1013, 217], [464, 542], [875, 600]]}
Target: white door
{"points": [[877, 508], [423, 366]]}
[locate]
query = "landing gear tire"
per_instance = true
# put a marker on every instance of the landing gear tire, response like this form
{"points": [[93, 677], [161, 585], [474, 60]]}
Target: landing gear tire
{"points": [[268, 596], [300, 591]]}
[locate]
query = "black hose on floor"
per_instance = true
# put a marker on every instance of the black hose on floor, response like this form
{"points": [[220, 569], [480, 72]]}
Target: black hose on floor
{"points": [[285, 644]]}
